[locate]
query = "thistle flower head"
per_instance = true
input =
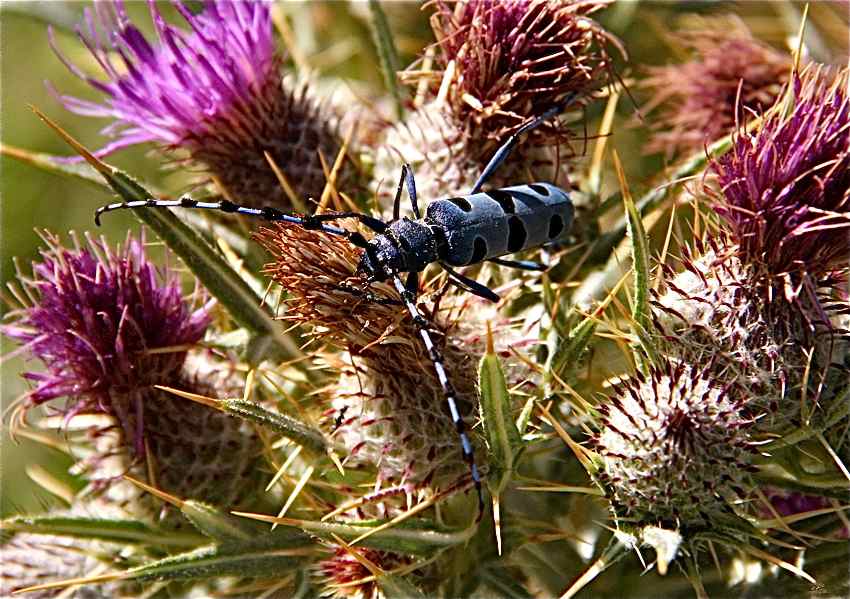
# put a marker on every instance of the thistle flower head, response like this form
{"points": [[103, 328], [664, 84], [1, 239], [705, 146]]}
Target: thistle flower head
{"points": [[214, 90], [785, 188], [344, 577], [697, 100], [387, 407], [675, 447], [518, 58], [758, 339], [106, 323]]}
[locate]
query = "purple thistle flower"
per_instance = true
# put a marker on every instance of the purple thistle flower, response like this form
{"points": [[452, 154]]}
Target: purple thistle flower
{"points": [[214, 90], [786, 187], [699, 101], [95, 317], [180, 88]]}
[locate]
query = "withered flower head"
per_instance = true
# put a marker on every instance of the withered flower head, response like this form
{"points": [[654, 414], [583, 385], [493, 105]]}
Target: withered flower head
{"points": [[388, 406], [697, 100], [214, 90], [106, 323], [675, 447], [785, 188]]}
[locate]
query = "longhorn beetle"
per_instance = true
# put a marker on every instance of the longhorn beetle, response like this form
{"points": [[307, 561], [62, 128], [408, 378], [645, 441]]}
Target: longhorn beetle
{"points": [[456, 231]]}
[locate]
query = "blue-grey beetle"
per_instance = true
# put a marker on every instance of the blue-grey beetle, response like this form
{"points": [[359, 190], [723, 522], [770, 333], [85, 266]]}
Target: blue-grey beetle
{"points": [[456, 231]]}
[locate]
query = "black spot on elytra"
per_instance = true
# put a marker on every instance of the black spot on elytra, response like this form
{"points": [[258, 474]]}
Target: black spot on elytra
{"points": [[516, 234], [505, 200], [461, 203], [556, 226], [540, 189], [479, 250]]}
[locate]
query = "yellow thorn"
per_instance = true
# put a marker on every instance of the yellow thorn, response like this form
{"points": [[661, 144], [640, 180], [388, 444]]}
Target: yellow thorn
{"points": [[70, 582], [288, 38], [578, 450], [50, 483], [497, 523], [296, 202], [490, 349], [201, 399], [167, 497], [295, 492]]}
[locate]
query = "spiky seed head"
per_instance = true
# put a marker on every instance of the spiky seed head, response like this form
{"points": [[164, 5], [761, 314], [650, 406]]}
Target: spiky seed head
{"points": [[214, 91], [107, 324], [785, 187], [675, 447], [697, 100], [757, 338], [28, 559]]}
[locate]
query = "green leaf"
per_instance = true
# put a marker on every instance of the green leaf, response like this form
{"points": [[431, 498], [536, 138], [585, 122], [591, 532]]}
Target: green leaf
{"points": [[387, 53], [116, 531], [568, 351], [287, 426], [215, 524], [47, 163], [396, 587], [503, 438], [418, 538], [498, 580], [641, 311], [262, 557]]}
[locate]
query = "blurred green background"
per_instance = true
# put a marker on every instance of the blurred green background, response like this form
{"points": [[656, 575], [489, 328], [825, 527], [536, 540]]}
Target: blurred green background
{"points": [[335, 38]]}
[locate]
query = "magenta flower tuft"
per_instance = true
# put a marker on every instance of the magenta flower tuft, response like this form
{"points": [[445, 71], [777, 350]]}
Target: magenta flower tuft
{"points": [[96, 317], [786, 187], [214, 90], [183, 87]]}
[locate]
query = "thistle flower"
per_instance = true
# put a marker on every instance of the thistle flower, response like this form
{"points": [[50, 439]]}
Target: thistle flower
{"points": [[517, 58], [697, 99], [758, 339], [785, 188], [109, 326], [99, 320], [387, 407], [214, 91], [502, 64], [675, 447]]}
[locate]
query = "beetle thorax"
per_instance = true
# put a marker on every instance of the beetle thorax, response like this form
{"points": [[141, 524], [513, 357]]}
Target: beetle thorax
{"points": [[407, 246]]}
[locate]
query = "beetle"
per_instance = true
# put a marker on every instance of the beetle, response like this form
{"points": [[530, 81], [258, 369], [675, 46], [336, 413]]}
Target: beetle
{"points": [[454, 232]]}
